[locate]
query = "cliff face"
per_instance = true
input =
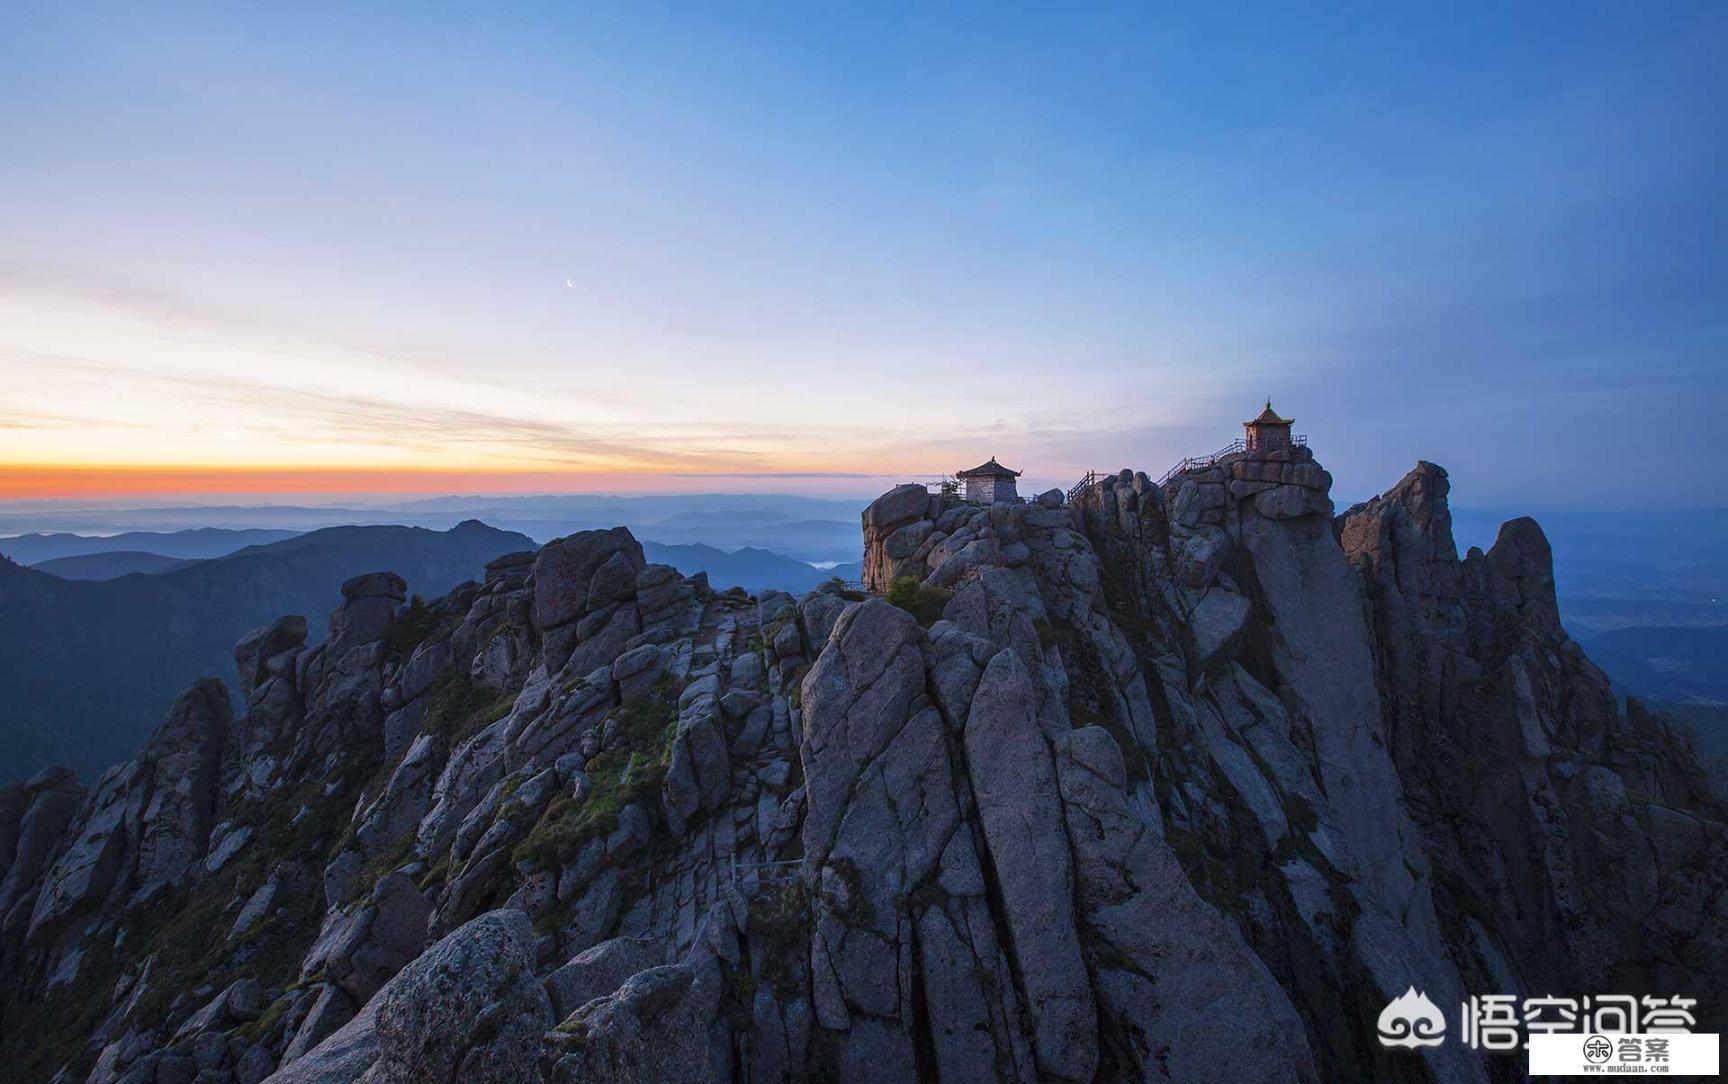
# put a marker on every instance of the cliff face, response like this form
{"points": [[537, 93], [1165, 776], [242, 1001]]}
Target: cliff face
{"points": [[1578, 848], [1165, 783]]}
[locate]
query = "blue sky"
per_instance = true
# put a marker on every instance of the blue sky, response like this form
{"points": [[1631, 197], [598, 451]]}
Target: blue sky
{"points": [[616, 247]]}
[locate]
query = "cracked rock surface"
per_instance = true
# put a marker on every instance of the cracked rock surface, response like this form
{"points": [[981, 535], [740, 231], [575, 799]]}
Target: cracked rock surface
{"points": [[1161, 783]]}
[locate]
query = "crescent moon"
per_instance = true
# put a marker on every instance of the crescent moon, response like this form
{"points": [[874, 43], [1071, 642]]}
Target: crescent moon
{"points": [[570, 284]]}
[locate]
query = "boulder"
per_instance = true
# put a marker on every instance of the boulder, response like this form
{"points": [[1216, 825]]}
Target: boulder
{"points": [[818, 611], [385, 585], [253, 1065], [509, 568], [600, 971], [469, 1008], [636, 671], [564, 572], [225, 845], [178, 784], [254, 650], [897, 506], [340, 1057], [84, 873], [286, 883], [1217, 623], [654, 1028], [1292, 502], [239, 1001], [614, 580], [699, 773], [368, 608], [362, 949], [48, 802], [330, 1010]]}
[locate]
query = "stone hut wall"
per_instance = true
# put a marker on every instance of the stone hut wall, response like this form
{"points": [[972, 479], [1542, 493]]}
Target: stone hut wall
{"points": [[991, 490], [1265, 438]]}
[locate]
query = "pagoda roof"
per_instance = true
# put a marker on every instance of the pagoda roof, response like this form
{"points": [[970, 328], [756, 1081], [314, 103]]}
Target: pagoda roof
{"points": [[992, 469], [1270, 417]]}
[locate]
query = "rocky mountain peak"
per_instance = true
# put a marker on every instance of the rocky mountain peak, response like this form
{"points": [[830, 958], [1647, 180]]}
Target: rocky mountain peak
{"points": [[1068, 777]]}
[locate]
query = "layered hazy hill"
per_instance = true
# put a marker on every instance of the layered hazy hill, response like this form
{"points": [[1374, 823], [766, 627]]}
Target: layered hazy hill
{"points": [[108, 566], [753, 569], [194, 543], [177, 597], [105, 557], [89, 667], [811, 529]]}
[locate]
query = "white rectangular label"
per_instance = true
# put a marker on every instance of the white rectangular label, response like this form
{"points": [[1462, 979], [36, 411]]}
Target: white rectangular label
{"points": [[1615, 1053]]}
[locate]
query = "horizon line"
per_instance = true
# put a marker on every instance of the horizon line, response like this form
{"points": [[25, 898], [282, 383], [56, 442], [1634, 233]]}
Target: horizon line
{"points": [[40, 482]]}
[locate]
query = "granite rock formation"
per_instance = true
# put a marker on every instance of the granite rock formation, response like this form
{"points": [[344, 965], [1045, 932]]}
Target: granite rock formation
{"points": [[1161, 782]]}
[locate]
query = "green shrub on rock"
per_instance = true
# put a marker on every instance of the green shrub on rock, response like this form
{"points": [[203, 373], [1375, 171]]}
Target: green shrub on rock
{"points": [[917, 598]]}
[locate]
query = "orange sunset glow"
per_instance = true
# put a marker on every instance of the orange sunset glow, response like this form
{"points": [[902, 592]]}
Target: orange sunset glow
{"points": [[24, 482]]}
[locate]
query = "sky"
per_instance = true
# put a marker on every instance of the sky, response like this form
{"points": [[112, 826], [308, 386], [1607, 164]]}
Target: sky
{"points": [[267, 250]]}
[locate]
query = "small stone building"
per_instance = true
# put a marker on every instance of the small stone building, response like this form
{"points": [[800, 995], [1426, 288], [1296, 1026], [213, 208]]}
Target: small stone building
{"points": [[1268, 432], [990, 483]]}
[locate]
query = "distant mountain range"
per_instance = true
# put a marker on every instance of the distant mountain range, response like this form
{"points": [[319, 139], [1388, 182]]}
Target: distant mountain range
{"points": [[753, 569], [94, 557], [812, 529], [109, 566], [103, 632], [193, 544], [90, 667]]}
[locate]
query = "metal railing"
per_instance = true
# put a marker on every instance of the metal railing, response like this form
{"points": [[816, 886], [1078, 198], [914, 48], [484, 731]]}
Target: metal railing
{"points": [[947, 483], [1078, 489], [1203, 462], [949, 487]]}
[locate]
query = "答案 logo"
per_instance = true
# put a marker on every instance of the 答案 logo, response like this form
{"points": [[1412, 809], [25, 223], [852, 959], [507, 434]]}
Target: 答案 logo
{"points": [[1411, 1020]]}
